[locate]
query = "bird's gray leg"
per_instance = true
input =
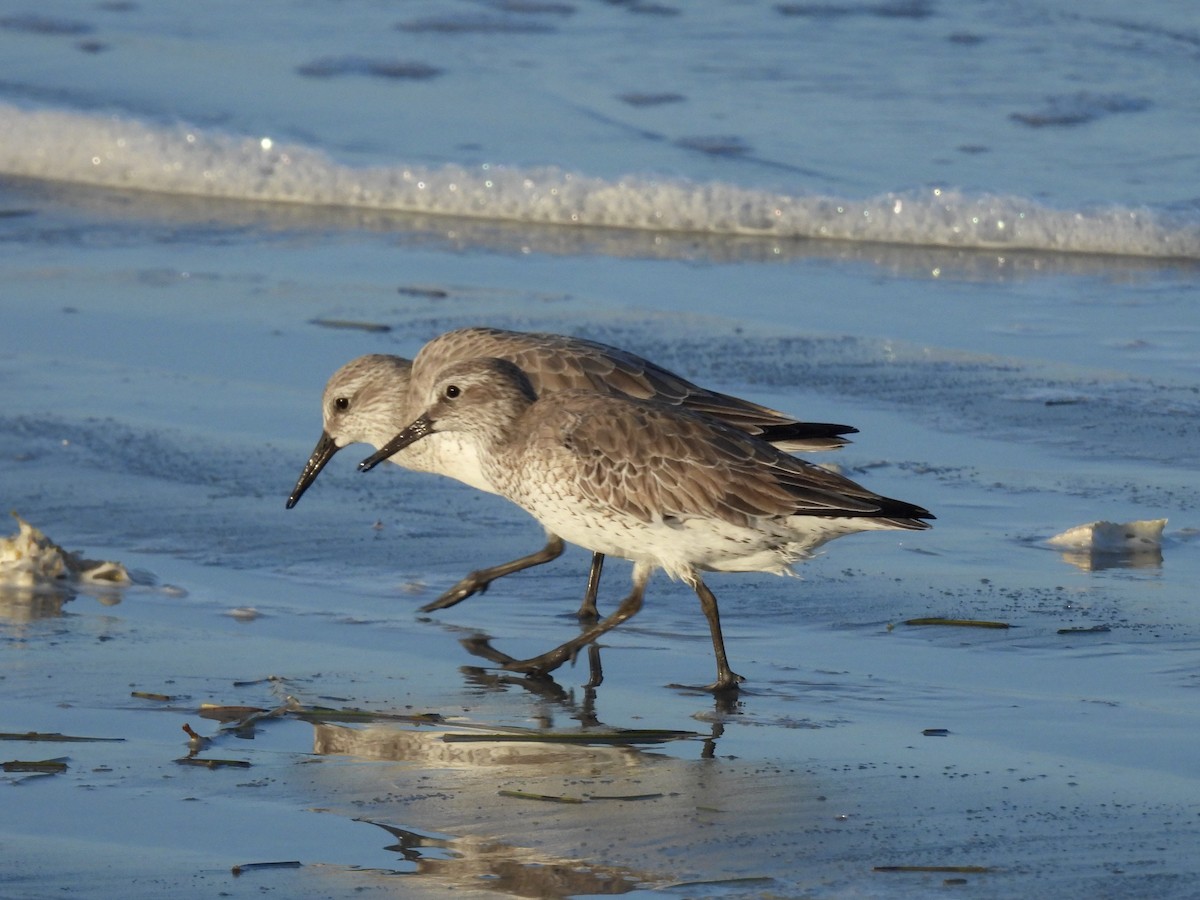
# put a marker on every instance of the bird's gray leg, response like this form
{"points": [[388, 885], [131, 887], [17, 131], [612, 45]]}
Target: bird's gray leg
{"points": [[589, 613], [552, 659], [477, 582], [587, 610], [480, 645], [595, 669], [727, 679]]}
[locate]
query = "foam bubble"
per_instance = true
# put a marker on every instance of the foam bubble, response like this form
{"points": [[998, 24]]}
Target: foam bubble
{"points": [[128, 153]]}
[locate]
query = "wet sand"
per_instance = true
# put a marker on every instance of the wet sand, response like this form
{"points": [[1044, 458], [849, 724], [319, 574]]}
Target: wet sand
{"points": [[162, 389]]}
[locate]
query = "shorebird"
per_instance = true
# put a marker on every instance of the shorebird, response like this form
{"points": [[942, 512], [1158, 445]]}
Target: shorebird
{"points": [[369, 400], [662, 486]]}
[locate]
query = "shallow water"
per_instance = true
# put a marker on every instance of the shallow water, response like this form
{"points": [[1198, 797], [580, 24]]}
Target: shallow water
{"points": [[159, 416], [162, 364]]}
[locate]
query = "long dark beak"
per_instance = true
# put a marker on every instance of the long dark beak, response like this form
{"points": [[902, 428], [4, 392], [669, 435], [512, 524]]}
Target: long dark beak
{"points": [[321, 454], [409, 435]]}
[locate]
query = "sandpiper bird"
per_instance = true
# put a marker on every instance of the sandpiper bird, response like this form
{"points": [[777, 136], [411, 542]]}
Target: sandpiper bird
{"points": [[661, 486], [368, 400]]}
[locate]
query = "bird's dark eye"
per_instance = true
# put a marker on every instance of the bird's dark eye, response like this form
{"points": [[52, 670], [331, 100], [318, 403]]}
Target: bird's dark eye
{"points": [[342, 403], [453, 391]]}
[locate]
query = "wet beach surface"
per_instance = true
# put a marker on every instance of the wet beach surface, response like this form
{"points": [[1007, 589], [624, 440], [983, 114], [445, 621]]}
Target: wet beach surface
{"points": [[162, 358], [162, 383]]}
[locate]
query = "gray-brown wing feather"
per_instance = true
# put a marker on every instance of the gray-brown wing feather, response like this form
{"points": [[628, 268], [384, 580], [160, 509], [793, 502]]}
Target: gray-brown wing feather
{"points": [[556, 362], [645, 457]]}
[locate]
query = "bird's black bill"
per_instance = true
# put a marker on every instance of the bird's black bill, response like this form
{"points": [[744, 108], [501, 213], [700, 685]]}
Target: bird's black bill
{"points": [[409, 435], [321, 454]]}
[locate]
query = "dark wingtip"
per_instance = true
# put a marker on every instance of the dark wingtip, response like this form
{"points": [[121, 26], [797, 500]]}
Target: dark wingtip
{"points": [[806, 431], [917, 515], [800, 437]]}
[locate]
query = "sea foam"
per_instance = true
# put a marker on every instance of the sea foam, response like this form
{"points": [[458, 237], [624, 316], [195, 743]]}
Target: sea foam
{"points": [[135, 154]]}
